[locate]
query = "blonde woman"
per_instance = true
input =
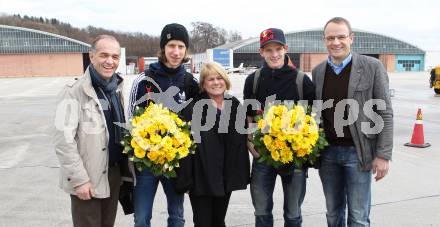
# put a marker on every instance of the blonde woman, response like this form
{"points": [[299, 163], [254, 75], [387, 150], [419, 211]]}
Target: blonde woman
{"points": [[221, 162]]}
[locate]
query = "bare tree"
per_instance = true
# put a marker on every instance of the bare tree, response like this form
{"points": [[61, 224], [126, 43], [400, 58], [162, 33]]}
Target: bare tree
{"points": [[204, 36], [234, 36]]}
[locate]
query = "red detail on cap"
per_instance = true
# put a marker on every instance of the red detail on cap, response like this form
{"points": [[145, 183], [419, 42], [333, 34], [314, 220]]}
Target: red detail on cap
{"points": [[260, 112], [265, 36]]}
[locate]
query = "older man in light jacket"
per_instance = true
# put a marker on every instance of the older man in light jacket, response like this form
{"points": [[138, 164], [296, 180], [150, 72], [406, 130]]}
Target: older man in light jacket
{"points": [[87, 137]]}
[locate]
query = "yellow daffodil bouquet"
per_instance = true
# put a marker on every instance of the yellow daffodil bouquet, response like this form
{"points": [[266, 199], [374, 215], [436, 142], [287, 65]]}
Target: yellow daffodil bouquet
{"points": [[287, 135], [157, 140]]}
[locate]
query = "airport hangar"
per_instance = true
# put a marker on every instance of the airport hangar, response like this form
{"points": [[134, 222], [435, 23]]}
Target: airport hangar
{"points": [[307, 49], [29, 52]]}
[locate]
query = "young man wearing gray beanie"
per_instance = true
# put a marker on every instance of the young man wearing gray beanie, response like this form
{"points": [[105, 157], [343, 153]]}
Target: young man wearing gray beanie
{"points": [[169, 72]]}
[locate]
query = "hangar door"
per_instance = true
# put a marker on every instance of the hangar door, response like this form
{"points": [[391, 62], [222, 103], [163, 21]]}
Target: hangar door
{"points": [[409, 63]]}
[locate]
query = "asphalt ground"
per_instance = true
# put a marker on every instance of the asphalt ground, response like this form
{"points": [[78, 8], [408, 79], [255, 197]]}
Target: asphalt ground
{"points": [[29, 193]]}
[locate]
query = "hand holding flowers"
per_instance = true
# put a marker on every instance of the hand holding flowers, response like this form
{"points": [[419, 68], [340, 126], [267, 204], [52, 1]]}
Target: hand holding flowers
{"points": [[157, 140], [288, 135]]}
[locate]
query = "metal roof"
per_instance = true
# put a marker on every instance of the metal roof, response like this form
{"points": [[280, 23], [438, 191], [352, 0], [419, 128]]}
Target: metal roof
{"points": [[310, 41], [18, 40]]}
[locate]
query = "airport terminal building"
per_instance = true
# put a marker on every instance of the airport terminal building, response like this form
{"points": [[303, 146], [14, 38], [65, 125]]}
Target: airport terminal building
{"points": [[307, 49], [29, 52]]}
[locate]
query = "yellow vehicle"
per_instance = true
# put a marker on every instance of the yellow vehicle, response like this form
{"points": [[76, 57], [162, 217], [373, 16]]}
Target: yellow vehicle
{"points": [[435, 79]]}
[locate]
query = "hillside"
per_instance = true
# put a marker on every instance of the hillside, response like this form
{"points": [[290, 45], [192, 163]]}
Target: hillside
{"points": [[203, 35], [136, 44]]}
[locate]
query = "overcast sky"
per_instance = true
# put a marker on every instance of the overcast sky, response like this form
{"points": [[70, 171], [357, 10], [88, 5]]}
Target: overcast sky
{"points": [[416, 22]]}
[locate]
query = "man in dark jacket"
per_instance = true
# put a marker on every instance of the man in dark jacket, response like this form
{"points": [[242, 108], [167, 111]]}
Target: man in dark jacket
{"points": [[276, 78], [170, 85], [355, 151]]}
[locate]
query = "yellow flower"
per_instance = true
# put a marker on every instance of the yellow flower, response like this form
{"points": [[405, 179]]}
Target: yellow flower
{"points": [[152, 155], [155, 138], [288, 133], [160, 132], [135, 121], [275, 125], [281, 136], [161, 160], [267, 140], [286, 156], [166, 141], [139, 153], [187, 141], [279, 144], [170, 155], [280, 110], [134, 144], [176, 142], [178, 121], [301, 152], [183, 152], [275, 155], [143, 143], [261, 124]]}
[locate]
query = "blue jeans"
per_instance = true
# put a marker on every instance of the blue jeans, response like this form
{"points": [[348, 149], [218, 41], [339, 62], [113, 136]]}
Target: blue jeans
{"points": [[262, 187], [345, 185], [144, 192]]}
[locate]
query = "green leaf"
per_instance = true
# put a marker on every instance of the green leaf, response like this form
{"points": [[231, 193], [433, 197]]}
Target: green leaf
{"points": [[171, 174], [258, 117], [276, 164], [147, 162]]}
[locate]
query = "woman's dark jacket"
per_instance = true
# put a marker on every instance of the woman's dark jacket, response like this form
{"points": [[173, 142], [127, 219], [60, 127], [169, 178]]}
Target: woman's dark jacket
{"points": [[221, 162]]}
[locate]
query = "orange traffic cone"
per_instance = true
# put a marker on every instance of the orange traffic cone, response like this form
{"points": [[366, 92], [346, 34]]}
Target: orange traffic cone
{"points": [[418, 138]]}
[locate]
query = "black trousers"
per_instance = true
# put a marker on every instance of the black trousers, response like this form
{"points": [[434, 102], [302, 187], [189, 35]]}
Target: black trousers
{"points": [[209, 211], [98, 212]]}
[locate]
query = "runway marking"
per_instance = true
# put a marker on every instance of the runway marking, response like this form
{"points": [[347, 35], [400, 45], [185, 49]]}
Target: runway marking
{"points": [[13, 155], [38, 87], [22, 137], [35, 90]]}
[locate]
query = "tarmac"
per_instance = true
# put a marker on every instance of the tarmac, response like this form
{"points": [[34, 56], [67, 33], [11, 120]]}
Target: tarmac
{"points": [[409, 196]]}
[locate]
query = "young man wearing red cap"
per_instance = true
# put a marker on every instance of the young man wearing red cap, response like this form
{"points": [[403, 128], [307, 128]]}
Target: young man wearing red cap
{"points": [[168, 75], [279, 79]]}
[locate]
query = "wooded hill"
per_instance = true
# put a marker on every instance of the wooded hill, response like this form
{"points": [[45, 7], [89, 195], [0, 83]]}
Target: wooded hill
{"points": [[203, 35]]}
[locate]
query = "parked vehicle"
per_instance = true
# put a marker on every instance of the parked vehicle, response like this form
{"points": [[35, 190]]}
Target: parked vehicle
{"points": [[435, 79]]}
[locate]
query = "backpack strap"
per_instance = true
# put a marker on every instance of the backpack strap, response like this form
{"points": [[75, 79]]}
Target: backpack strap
{"points": [[256, 82], [188, 85], [299, 83]]}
